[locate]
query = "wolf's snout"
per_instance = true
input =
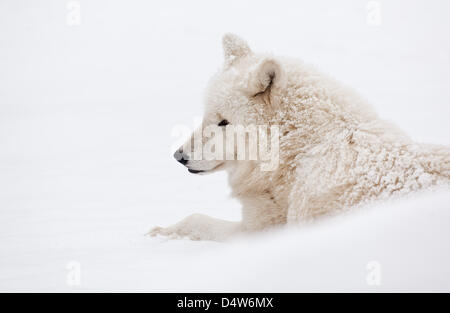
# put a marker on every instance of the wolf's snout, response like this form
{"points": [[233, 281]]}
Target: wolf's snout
{"points": [[181, 157]]}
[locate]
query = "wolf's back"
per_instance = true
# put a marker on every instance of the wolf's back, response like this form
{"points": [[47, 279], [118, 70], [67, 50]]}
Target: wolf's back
{"points": [[435, 159]]}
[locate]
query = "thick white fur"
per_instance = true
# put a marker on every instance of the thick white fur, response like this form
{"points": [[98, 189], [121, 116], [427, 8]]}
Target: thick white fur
{"points": [[335, 153]]}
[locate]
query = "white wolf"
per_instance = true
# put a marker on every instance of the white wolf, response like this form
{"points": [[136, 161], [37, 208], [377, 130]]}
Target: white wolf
{"points": [[334, 151]]}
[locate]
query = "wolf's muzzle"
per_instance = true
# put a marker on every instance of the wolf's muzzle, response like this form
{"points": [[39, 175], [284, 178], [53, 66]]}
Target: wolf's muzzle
{"points": [[181, 157]]}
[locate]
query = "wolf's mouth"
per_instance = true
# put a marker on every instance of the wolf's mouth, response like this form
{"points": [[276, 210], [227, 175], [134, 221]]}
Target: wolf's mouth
{"points": [[207, 171], [194, 171]]}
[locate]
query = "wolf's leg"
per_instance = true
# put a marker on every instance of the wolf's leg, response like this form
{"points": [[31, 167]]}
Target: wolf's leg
{"points": [[199, 227]]}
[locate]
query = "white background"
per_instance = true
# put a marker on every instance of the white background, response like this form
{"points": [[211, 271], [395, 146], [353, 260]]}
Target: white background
{"points": [[86, 119]]}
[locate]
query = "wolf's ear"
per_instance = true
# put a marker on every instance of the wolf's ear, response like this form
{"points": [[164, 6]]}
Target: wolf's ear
{"points": [[234, 47], [269, 75]]}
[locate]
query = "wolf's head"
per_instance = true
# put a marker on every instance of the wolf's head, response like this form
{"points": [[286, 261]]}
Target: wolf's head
{"points": [[239, 101]]}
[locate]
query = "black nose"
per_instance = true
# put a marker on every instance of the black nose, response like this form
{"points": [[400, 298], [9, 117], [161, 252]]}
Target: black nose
{"points": [[180, 157]]}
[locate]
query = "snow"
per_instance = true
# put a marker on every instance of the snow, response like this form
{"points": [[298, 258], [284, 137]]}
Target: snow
{"points": [[86, 121]]}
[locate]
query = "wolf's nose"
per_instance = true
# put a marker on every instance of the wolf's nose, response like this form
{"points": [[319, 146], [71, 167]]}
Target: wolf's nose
{"points": [[180, 157]]}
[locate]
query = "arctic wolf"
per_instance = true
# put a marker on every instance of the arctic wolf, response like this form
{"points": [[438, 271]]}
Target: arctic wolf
{"points": [[334, 152]]}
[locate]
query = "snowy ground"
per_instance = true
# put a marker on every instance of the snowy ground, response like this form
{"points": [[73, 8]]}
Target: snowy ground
{"points": [[86, 120]]}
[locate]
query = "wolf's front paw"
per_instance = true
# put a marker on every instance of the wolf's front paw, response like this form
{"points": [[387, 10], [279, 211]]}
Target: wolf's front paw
{"points": [[167, 232], [198, 227]]}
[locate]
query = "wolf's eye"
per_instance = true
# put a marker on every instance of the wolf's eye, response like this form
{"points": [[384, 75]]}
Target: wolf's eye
{"points": [[224, 123]]}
